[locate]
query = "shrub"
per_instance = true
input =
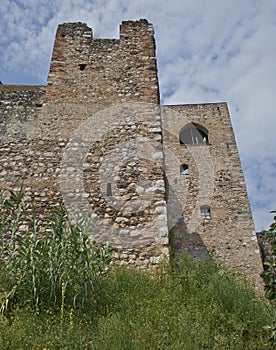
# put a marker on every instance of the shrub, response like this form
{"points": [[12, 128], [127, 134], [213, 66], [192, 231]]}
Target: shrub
{"points": [[269, 276]]}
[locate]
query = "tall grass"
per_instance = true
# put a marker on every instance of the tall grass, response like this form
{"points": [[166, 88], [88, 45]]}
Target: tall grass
{"points": [[191, 307], [47, 264], [58, 294], [188, 307]]}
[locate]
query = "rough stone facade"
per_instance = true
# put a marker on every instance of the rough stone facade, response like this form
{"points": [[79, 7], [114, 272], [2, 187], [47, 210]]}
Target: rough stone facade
{"points": [[214, 180], [97, 138]]}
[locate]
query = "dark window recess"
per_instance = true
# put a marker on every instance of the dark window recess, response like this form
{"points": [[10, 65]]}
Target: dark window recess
{"points": [[193, 134], [82, 66], [205, 212], [108, 190], [184, 169]]}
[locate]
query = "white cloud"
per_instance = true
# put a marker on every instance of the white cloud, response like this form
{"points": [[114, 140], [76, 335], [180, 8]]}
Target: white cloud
{"points": [[260, 175]]}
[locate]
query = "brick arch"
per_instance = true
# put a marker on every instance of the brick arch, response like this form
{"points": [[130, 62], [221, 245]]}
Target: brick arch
{"points": [[193, 134]]}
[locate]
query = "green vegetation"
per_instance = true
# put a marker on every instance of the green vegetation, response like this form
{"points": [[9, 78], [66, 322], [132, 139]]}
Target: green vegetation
{"points": [[58, 291], [269, 276], [39, 261]]}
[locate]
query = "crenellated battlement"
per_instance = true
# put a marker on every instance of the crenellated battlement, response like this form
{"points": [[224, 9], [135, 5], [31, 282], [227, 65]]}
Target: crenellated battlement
{"points": [[77, 29], [83, 68]]}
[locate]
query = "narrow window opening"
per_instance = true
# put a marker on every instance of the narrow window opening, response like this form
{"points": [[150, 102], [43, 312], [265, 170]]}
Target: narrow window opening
{"points": [[82, 66], [205, 212], [108, 190], [184, 169]]}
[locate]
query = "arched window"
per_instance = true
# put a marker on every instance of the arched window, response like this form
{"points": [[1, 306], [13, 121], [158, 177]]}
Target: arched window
{"points": [[193, 134], [205, 212], [184, 169]]}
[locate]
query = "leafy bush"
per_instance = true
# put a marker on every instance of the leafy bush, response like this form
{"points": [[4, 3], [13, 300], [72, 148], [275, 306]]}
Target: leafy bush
{"points": [[48, 264], [269, 276]]}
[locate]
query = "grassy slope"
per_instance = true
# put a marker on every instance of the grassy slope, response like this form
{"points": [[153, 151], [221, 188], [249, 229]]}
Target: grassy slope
{"points": [[188, 307]]}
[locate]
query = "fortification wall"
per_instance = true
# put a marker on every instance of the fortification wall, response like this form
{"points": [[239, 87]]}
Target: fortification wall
{"points": [[95, 138], [92, 138], [103, 71], [214, 179]]}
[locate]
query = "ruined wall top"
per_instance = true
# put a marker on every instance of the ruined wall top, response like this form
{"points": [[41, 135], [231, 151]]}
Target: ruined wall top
{"points": [[85, 69], [75, 29], [127, 28]]}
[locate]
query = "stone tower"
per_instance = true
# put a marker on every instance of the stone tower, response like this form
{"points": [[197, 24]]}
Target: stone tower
{"points": [[208, 205], [146, 176]]}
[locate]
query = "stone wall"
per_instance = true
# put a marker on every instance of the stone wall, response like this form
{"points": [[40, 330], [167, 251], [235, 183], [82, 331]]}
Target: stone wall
{"points": [[95, 138], [92, 138], [103, 71], [215, 180]]}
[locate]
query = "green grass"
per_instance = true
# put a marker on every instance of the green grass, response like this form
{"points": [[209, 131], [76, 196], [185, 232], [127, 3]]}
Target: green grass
{"points": [[189, 307], [61, 293], [192, 307]]}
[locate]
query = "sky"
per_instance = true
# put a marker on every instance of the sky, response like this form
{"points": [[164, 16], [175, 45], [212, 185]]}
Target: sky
{"points": [[207, 51]]}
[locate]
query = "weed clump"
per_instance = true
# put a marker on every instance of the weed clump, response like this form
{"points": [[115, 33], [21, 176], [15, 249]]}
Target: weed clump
{"points": [[47, 264]]}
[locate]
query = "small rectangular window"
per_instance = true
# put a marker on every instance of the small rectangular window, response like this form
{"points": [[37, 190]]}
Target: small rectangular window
{"points": [[205, 212], [184, 169]]}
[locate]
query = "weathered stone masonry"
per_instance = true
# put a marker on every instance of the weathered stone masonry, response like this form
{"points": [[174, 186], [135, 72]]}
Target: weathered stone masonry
{"points": [[96, 138], [215, 180]]}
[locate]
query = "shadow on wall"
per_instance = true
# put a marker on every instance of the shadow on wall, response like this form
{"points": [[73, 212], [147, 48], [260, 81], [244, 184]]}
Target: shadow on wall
{"points": [[180, 239]]}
